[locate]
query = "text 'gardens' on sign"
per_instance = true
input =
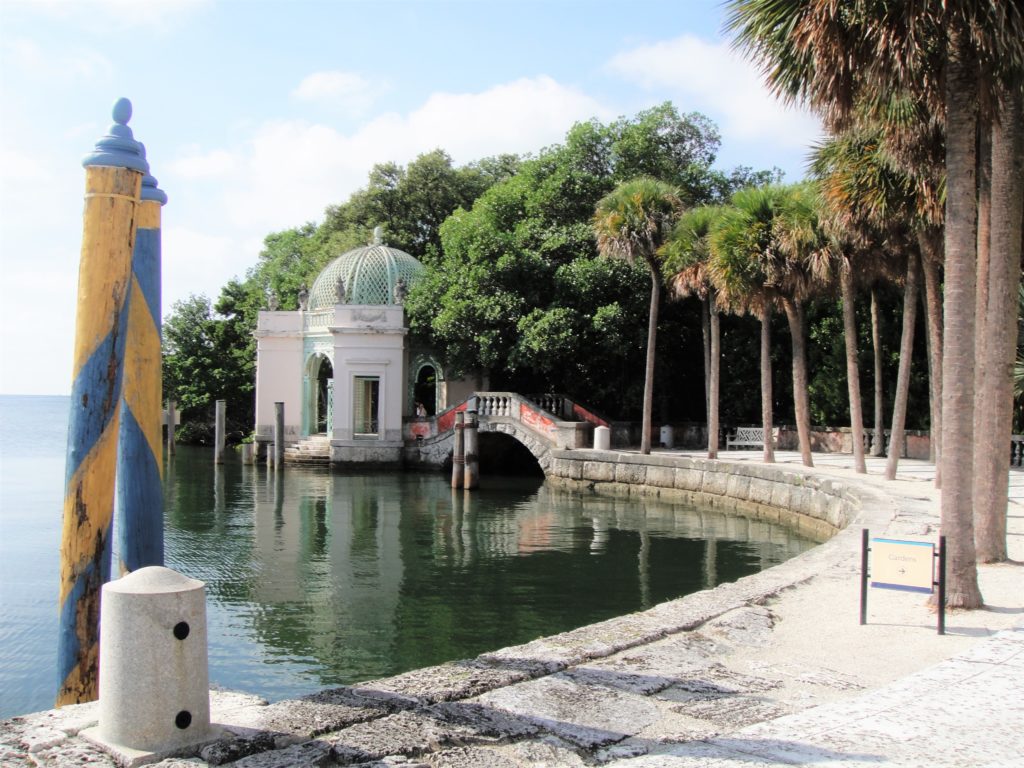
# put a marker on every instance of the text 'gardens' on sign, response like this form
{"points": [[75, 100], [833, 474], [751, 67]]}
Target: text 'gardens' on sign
{"points": [[906, 565]]}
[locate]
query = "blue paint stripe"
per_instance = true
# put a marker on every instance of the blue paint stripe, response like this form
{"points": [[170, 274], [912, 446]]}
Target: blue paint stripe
{"points": [[95, 396], [139, 518], [146, 268], [902, 541], [901, 587], [68, 643]]}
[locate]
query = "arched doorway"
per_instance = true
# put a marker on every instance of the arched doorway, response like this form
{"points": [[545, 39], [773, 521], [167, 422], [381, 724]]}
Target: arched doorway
{"points": [[319, 395], [425, 388]]}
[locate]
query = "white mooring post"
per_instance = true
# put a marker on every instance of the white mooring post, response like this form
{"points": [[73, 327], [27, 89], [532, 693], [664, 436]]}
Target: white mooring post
{"points": [[154, 681], [602, 439]]}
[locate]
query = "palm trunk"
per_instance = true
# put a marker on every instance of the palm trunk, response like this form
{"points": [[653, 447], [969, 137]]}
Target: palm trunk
{"points": [[705, 332], [715, 376], [878, 444], [852, 367], [994, 396], [652, 335], [930, 260], [801, 401], [899, 406], [958, 331], [766, 385]]}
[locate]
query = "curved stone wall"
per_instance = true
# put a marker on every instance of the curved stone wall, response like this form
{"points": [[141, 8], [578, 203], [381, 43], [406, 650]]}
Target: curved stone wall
{"points": [[813, 505]]}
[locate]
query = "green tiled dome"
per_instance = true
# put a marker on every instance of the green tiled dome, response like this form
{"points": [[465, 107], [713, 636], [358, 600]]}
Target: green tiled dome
{"points": [[371, 274]]}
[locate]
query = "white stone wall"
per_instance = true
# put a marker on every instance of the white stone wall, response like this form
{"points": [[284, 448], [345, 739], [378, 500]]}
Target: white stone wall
{"points": [[279, 369], [369, 341]]}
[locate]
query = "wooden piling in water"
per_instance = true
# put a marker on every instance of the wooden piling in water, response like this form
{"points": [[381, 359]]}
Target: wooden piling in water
{"points": [[139, 513], [172, 418], [458, 454], [472, 453], [113, 179], [218, 431], [278, 435]]}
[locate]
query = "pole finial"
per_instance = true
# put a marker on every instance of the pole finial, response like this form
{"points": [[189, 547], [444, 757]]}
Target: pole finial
{"points": [[118, 148], [150, 190]]}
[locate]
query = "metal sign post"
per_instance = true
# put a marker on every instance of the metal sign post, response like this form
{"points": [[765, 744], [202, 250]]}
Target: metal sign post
{"points": [[908, 566]]}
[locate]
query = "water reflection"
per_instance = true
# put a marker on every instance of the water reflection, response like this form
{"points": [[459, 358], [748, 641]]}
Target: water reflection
{"points": [[318, 579]]}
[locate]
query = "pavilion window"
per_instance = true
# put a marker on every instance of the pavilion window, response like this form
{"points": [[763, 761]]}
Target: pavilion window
{"points": [[366, 392]]}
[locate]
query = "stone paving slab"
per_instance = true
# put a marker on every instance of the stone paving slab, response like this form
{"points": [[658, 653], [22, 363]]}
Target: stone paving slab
{"points": [[585, 714]]}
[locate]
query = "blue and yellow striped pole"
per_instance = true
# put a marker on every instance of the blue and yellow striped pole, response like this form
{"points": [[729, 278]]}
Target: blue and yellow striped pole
{"points": [[139, 513], [113, 176]]}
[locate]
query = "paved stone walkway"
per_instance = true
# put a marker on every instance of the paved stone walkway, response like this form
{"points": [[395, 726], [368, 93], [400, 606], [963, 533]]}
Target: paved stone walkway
{"points": [[770, 670]]}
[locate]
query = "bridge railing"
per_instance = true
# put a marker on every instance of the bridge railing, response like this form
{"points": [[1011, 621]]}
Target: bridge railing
{"points": [[557, 419], [1017, 450]]}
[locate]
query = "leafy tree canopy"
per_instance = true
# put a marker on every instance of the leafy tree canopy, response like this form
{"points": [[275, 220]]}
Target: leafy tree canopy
{"points": [[518, 288]]}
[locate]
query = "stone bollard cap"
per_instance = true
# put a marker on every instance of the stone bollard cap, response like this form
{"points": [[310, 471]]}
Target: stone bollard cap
{"points": [[154, 579]]}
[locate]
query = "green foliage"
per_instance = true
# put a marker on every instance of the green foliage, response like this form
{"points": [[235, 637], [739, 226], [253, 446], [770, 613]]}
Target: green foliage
{"points": [[518, 289], [205, 359], [411, 203]]}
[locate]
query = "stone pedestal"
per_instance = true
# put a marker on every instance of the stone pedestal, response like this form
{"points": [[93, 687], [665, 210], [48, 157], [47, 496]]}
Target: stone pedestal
{"points": [[154, 683]]}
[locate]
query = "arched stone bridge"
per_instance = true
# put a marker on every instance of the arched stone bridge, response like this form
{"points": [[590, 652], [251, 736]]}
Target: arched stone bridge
{"points": [[542, 423]]}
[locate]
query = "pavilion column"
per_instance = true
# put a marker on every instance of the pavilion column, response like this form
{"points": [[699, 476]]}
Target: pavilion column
{"points": [[113, 179], [139, 514]]}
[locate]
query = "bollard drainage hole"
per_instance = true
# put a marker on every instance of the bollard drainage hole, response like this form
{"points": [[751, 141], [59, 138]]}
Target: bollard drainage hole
{"points": [[183, 719], [181, 630]]}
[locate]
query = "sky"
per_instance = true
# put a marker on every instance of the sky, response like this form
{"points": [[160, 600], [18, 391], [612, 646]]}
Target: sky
{"points": [[258, 114]]}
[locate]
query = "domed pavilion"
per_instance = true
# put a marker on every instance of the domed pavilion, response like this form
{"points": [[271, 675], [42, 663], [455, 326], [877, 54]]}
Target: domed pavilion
{"points": [[341, 363]]}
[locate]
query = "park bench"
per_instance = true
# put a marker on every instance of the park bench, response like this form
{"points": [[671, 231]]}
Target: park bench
{"points": [[749, 437]]}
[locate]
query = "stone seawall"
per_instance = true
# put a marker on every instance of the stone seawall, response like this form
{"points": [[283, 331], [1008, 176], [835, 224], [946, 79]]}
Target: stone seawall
{"points": [[813, 505]]}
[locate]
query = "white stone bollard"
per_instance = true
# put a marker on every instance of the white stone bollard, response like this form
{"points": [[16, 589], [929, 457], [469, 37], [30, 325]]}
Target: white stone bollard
{"points": [[668, 436], [154, 682], [602, 439]]}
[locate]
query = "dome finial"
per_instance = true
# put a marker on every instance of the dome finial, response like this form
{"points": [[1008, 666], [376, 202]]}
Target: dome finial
{"points": [[378, 235]]}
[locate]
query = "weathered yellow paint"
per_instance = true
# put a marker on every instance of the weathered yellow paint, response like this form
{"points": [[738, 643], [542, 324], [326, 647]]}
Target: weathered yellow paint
{"points": [[142, 386], [82, 685], [149, 214], [108, 239], [88, 509]]}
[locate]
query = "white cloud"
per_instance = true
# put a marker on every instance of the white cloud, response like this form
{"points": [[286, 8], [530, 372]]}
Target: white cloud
{"points": [[290, 170], [338, 90], [716, 80], [74, 65], [195, 164], [199, 262]]}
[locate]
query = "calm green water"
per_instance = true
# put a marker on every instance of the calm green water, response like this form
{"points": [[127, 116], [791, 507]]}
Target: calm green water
{"points": [[317, 579]]}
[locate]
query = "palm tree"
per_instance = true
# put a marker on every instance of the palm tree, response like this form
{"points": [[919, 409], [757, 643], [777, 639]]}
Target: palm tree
{"points": [[870, 204], [805, 270], [998, 338], [686, 256], [632, 222], [833, 59], [742, 250]]}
